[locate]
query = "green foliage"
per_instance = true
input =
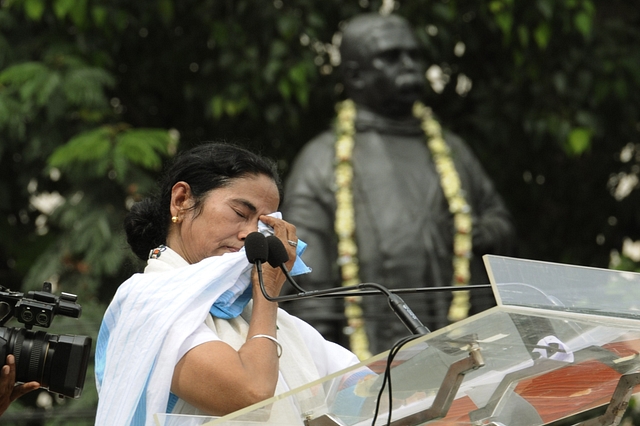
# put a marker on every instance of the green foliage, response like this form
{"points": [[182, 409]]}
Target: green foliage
{"points": [[548, 113], [89, 146], [90, 89], [34, 9], [103, 168], [141, 147], [579, 140], [113, 148]]}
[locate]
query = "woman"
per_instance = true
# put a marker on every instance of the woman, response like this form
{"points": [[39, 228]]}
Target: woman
{"points": [[183, 337]]}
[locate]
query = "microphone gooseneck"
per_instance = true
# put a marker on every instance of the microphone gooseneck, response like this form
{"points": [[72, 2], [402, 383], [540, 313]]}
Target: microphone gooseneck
{"points": [[278, 256]]}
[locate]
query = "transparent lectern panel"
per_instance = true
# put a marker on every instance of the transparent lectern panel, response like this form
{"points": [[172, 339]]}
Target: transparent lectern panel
{"points": [[181, 420], [564, 287], [561, 341], [535, 368]]}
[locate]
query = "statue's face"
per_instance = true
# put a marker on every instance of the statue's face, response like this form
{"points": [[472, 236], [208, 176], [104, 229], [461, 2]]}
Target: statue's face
{"points": [[391, 69]]}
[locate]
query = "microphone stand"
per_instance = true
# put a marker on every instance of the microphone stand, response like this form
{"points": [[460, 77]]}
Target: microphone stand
{"points": [[414, 290], [345, 291], [401, 309], [276, 255]]}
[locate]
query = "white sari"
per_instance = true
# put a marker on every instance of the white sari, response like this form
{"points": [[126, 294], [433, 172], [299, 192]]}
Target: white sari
{"points": [[153, 313]]}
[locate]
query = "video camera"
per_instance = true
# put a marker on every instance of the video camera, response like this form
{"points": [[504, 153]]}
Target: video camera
{"points": [[58, 362]]}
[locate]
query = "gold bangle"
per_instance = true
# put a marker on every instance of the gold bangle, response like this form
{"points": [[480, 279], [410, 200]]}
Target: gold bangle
{"points": [[273, 339]]}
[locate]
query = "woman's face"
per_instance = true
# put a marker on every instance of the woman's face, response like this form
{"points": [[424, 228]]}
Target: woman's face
{"points": [[227, 216]]}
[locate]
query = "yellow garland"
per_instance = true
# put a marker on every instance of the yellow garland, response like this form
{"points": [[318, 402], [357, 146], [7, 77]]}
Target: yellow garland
{"points": [[345, 218], [458, 206], [345, 226]]}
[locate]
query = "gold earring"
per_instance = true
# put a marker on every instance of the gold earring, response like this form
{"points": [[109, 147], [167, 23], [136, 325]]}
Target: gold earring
{"points": [[175, 219]]}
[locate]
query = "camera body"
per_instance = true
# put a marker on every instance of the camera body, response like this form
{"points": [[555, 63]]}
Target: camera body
{"points": [[58, 362]]}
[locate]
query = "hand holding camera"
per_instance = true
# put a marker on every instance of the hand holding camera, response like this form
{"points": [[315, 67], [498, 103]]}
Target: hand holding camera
{"points": [[57, 363], [9, 391]]}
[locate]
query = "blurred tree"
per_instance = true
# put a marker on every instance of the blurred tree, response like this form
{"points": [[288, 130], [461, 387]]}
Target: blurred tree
{"points": [[549, 111], [95, 94]]}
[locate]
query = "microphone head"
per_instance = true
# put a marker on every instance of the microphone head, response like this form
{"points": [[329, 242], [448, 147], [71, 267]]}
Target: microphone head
{"points": [[256, 248], [277, 252]]}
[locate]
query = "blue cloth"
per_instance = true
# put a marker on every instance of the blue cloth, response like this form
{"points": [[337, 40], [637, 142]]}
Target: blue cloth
{"points": [[226, 309], [230, 305], [299, 267]]}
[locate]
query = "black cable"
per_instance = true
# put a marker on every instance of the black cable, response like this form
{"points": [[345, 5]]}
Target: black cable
{"points": [[386, 380]]}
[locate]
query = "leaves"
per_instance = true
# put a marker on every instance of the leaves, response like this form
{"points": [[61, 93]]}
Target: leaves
{"points": [[579, 140], [144, 147], [74, 9], [59, 83], [115, 148], [84, 86], [228, 70], [34, 9], [542, 35], [90, 89], [90, 146]]}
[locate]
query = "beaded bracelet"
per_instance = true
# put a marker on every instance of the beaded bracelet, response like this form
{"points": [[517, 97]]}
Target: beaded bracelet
{"points": [[273, 339]]}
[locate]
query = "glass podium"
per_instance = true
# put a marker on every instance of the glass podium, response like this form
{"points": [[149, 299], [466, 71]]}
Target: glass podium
{"points": [[563, 340]]}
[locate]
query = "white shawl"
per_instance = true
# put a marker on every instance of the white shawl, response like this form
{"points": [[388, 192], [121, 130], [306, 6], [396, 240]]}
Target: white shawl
{"points": [[139, 338]]}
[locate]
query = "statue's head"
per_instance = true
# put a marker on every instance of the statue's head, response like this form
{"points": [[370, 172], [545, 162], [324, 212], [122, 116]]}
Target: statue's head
{"points": [[381, 64]]}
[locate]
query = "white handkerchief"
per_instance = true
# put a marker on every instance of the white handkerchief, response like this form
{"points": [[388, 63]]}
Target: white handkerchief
{"points": [[299, 267]]}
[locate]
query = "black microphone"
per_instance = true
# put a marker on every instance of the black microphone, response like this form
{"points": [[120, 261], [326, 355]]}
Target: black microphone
{"points": [[257, 252], [255, 244], [278, 256]]}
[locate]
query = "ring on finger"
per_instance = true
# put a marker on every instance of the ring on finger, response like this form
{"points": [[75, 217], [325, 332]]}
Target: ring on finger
{"points": [[293, 243]]}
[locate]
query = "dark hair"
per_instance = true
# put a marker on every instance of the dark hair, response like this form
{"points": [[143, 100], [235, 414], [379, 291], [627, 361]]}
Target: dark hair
{"points": [[205, 168]]}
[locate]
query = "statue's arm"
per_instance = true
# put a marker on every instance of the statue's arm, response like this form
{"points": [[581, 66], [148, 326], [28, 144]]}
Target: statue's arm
{"points": [[309, 204], [493, 231]]}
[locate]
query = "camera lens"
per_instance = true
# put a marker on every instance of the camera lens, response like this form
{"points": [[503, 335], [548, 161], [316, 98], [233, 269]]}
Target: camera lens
{"points": [[58, 362]]}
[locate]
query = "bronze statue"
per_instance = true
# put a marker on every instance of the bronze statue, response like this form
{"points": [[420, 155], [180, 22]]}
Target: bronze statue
{"points": [[387, 196]]}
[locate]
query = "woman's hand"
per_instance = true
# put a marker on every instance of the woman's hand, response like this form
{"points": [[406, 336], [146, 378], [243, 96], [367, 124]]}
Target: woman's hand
{"points": [[8, 391], [274, 278]]}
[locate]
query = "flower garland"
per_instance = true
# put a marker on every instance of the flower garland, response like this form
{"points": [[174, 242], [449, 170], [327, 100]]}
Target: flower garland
{"points": [[458, 206], [345, 226], [345, 217]]}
